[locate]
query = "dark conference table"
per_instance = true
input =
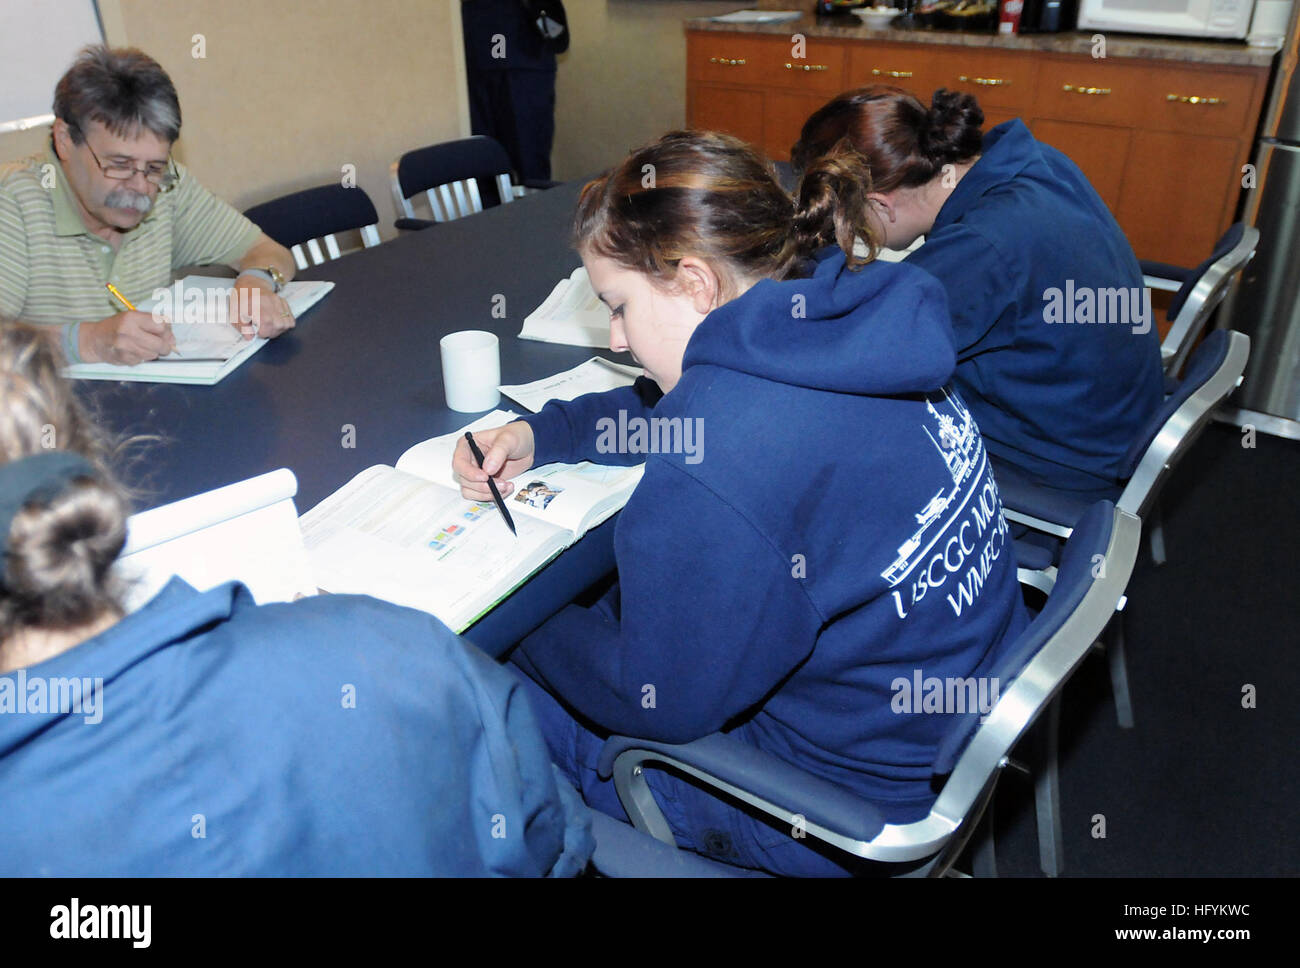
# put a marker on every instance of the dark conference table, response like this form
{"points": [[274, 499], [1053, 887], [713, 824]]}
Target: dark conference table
{"points": [[367, 357]]}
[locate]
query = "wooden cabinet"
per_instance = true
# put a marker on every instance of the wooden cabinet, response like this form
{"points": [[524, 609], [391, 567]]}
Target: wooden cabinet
{"points": [[1162, 142]]}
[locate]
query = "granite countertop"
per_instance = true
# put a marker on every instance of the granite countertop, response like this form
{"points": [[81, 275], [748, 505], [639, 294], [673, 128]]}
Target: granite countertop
{"points": [[1234, 53]]}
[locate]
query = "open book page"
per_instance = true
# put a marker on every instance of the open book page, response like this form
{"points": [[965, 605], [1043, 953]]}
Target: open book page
{"points": [[595, 376], [575, 497], [571, 314], [246, 531], [431, 459], [207, 347], [409, 541], [198, 306]]}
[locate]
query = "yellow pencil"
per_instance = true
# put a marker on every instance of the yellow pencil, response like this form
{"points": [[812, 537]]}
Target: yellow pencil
{"points": [[120, 298]]}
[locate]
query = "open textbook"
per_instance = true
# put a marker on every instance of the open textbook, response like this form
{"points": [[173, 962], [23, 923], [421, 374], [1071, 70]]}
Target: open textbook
{"points": [[207, 349], [571, 314], [405, 534]]}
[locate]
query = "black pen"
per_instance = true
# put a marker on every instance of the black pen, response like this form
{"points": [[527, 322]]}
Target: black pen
{"points": [[492, 486]]}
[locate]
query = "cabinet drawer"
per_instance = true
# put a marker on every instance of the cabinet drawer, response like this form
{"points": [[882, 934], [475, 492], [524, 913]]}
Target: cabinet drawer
{"points": [[1204, 102], [1091, 90], [913, 68], [1178, 220], [727, 109], [723, 57], [784, 114], [998, 80], [820, 69]]}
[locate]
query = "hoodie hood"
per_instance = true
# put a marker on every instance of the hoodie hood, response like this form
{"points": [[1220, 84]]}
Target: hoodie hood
{"points": [[881, 330], [1008, 152]]}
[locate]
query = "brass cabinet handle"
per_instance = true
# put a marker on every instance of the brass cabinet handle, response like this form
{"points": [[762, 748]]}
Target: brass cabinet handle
{"points": [[1185, 99], [807, 67], [728, 61], [985, 81], [1085, 90], [878, 72]]}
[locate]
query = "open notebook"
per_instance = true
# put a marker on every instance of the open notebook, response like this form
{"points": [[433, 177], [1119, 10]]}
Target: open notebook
{"points": [[206, 350], [246, 531], [405, 534]]}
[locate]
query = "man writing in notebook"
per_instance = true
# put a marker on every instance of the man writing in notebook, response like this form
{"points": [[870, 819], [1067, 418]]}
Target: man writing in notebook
{"points": [[106, 205]]}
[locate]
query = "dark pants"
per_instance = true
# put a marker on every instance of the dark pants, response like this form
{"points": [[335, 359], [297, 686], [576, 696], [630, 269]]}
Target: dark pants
{"points": [[517, 108]]}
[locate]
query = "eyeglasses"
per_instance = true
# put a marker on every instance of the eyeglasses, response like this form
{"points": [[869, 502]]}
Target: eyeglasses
{"points": [[162, 174]]}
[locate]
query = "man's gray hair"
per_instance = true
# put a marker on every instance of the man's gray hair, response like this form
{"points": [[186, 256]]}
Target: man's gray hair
{"points": [[123, 89]]}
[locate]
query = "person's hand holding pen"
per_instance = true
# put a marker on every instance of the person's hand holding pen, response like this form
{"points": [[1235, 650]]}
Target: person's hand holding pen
{"points": [[507, 452], [128, 338]]}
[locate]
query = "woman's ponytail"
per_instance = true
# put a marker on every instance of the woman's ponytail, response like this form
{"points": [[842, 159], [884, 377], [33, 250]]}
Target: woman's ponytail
{"points": [[832, 208]]}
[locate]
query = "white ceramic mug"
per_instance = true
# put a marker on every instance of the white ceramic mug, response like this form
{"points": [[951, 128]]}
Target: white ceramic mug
{"points": [[471, 370]]}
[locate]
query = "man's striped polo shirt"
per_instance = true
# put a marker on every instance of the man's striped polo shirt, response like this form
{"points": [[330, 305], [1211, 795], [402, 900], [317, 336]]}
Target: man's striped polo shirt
{"points": [[53, 269]]}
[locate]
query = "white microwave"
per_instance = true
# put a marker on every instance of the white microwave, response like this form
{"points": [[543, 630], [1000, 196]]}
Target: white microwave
{"points": [[1186, 18]]}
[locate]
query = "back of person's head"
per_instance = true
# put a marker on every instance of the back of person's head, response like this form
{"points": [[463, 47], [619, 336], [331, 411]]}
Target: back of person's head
{"points": [[905, 144], [709, 195], [123, 89], [58, 548]]}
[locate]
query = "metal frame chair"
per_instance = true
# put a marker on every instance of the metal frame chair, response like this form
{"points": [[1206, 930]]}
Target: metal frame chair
{"points": [[1214, 371], [315, 215], [448, 175], [1200, 291], [972, 756]]}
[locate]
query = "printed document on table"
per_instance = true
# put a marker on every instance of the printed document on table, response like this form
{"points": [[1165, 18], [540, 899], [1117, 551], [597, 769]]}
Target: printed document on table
{"points": [[595, 376]]}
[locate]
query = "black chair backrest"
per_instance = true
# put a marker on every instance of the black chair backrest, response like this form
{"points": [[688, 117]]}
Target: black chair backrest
{"points": [[313, 213], [479, 157]]}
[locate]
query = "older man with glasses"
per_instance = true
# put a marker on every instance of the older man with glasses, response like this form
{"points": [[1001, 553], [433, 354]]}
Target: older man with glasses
{"points": [[107, 206]]}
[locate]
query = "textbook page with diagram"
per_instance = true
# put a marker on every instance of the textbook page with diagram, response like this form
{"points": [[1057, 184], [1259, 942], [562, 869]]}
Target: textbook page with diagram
{"points": [[207, 350], [405, 534]]}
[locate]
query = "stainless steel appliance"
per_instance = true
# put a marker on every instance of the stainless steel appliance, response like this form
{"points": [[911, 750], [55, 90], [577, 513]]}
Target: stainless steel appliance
{"points": [[1185, 18], [1266, 304]]}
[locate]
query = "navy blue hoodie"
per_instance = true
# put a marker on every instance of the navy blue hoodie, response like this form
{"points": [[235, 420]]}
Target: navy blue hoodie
{"points": [[1062, 401], [838, 530], [335, 735]]}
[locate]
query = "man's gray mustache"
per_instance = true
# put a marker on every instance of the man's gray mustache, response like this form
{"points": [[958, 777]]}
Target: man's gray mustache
{"points": [[125, 198]]}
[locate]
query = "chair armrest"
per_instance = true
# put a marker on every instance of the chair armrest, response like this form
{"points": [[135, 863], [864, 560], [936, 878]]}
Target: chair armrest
{"points": [[1163, 270], [413, 224], [1044, 509], [755, 777]]}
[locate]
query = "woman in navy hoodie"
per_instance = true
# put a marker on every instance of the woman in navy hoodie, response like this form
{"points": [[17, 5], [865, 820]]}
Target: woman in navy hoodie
{"points": [[832, 530], [204, 734], [1057, 354]]}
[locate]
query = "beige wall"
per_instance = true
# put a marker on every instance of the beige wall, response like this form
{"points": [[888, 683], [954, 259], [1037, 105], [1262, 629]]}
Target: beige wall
{"points": [[290, 91], [623, 81]]}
